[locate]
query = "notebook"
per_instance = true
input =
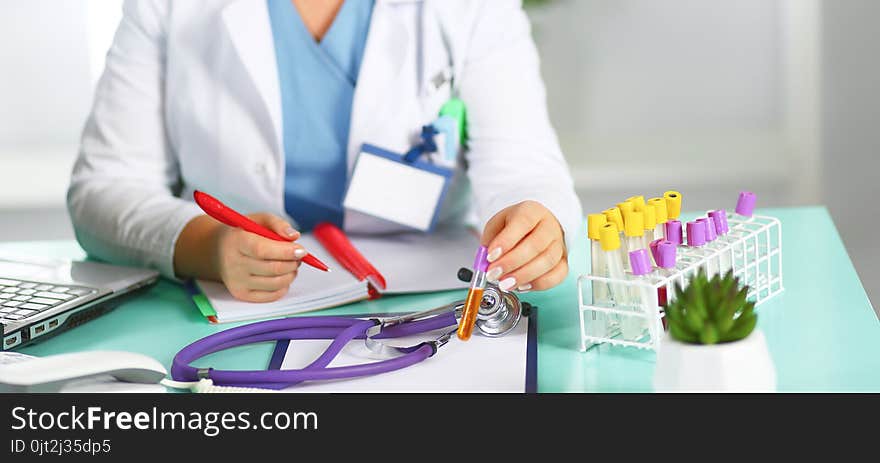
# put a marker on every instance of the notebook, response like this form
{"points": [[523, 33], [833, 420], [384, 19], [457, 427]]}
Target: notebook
{"points": [[411, 262]]}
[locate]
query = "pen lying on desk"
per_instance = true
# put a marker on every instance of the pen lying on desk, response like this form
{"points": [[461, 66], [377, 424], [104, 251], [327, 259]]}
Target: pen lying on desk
{"points": [[213, 207]]}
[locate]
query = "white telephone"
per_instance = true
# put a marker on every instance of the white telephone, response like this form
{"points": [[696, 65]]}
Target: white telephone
{"points": [[92, 371]]}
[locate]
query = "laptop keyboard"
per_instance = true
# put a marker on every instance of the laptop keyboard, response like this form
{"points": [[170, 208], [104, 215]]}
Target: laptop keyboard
{"points": [[22, 299]]}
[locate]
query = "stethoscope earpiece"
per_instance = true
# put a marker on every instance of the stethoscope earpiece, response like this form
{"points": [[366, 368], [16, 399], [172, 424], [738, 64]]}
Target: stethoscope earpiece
{"points": [[465, 274]]}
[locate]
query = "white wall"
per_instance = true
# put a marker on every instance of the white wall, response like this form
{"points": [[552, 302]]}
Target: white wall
{"points": [[695, 95], [51, 52], [851, 131]]}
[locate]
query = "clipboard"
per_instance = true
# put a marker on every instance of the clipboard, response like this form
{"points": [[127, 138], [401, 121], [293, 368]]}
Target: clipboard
{"points": [[531, 368]]}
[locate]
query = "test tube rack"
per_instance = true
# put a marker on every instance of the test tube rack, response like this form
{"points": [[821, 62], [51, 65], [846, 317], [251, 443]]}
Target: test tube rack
{"points": [[754, 248]]}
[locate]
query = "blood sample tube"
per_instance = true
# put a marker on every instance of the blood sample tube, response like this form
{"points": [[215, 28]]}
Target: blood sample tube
{"points": [[474, 295]]}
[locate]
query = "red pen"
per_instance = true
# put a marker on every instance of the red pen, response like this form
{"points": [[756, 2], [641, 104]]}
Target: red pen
{"points": [[213, 207]]}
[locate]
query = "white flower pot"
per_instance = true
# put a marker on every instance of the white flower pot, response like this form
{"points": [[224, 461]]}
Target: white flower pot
{"points": [[740, 366]]}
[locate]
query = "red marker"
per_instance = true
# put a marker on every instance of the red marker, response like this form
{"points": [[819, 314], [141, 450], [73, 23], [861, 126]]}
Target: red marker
{"points": [[213, 207]]}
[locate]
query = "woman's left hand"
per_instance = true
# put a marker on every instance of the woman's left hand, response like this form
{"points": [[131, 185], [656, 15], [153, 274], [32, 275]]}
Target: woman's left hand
{"points": [[526, 248]]}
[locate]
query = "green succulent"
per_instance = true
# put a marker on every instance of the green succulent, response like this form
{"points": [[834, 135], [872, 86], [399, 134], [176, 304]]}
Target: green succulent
{"points": [[711, 311]]}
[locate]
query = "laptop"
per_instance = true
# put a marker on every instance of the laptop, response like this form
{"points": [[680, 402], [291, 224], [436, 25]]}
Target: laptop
{"points": [[43, 297]]}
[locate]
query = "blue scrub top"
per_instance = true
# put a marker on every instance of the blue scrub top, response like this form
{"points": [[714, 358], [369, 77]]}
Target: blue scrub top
{"points": [[317, 82]]}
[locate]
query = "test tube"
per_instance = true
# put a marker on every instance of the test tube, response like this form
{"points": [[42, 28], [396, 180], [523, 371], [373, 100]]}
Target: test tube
{"points": [[673, 232], [696, 237], [653, 248], [660, 213], [632, 327], [665, 256], [712, 265], [745, 206], [638, 202], [594, 225], [747, 252], [650, 223], [673, 204], [609, 238], [634, 229], [626, 207], [474, 296], [719, 217], [614, 216]]}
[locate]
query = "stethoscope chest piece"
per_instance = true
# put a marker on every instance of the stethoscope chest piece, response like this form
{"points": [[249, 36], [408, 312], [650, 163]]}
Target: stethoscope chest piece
{"points": [[499, 313]]}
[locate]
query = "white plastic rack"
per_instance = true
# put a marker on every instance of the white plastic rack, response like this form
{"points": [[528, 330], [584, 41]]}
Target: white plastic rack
{"points": [[752, 249]]}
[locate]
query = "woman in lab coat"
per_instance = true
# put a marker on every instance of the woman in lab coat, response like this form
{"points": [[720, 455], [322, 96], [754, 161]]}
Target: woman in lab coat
{"points": [[264, 103]]}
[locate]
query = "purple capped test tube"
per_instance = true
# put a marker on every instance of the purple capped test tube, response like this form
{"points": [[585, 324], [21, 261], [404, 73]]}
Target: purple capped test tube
{"points": [[632, 327], [673, 232], [712, 256], [724, 241], [745, 205], [696, 234]]}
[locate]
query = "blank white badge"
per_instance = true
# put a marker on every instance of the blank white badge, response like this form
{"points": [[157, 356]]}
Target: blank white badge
{"points": [[385, 186]]}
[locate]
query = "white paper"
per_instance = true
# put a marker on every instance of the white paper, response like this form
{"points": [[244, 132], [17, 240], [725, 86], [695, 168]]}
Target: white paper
{"points": [[417, 262], [481, 364], [312, 290], [393, 191]]}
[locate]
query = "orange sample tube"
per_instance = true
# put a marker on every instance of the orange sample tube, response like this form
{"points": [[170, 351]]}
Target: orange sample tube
{"points": [[474, 296]]}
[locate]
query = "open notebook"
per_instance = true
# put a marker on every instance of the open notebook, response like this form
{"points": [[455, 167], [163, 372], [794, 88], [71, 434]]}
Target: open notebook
{"points": [[409, 262]]}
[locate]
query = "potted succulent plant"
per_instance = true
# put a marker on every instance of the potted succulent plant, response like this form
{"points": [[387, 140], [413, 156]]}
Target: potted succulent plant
{"points": [[712, 344]]}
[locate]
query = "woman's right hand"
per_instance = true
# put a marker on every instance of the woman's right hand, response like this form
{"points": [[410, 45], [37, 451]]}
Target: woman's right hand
{"points": [[253, 268], [258, 269]]}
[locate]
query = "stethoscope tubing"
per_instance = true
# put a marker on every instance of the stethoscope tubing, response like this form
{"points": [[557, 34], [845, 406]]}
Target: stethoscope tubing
{"points": [[340, 329]]}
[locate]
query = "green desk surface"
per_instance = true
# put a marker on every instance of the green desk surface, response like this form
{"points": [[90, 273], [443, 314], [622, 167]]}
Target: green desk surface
{"points": [[822, 332]]}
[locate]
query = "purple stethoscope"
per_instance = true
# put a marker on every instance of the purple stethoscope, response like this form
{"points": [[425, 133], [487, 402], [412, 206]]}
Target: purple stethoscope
{"points": [[499, 314]]}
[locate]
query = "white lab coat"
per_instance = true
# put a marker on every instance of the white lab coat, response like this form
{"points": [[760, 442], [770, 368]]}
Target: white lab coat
{"points": [[190, 99]]}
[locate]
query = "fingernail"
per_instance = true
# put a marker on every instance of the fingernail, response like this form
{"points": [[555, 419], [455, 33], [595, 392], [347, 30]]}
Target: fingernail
{"points": [[524, 288], [290, 231], [494, 255], [494, 274], [299, 253], [507, 283]]}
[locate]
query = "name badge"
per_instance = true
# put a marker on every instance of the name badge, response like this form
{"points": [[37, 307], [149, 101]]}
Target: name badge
{"points": [[403, 189]]}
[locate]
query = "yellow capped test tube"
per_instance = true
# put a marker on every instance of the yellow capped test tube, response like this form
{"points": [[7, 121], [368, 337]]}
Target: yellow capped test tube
{"points": [[613, 216], [673, 204], [650, 223], [638, 201], [634, 229], [661, 216], [650, 226], [625, 208], [595, 222], [609, 238]]}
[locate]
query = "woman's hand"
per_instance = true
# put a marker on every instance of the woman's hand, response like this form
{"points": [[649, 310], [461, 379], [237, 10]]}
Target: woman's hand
{"points": [[253, 268], [526, 248], [257, 269]]}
